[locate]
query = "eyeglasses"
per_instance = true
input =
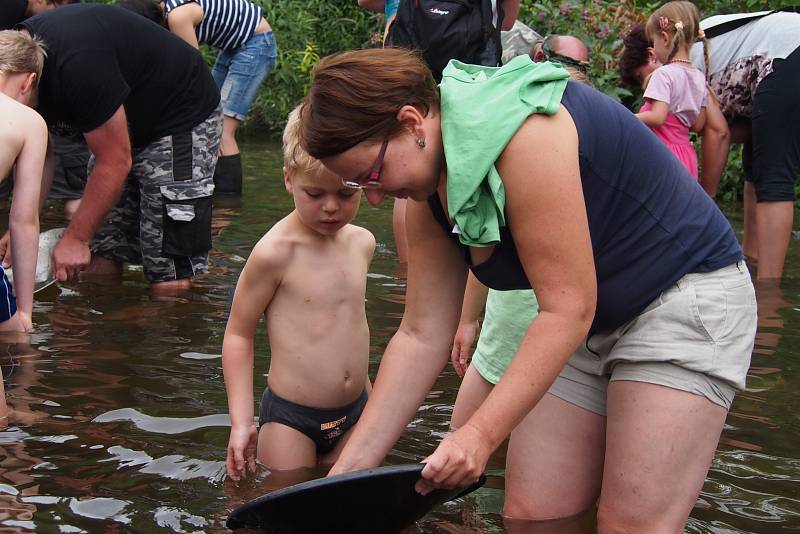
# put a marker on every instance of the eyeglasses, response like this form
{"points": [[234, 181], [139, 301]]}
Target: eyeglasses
{"points": [[564, 60], [550, 55], [372, 181]]}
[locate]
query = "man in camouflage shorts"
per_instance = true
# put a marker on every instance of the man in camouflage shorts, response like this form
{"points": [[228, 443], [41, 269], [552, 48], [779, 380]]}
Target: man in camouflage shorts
{"points": [[149, 111], [163, 218]]}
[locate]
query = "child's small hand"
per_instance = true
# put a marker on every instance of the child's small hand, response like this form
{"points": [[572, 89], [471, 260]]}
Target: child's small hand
{"points": [[241, 451], [463, 342], [5, 249], [25, 322]]}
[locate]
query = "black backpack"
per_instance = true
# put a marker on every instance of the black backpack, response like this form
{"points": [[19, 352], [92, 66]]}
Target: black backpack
{"points": [[447, 29]]}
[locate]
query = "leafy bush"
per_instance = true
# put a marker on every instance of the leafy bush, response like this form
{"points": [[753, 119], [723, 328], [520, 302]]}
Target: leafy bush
{"points": [[602, 26], [305, 31], [308, 30]]}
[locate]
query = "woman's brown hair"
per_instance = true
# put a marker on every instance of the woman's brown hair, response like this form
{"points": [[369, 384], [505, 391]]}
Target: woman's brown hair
{"points": [[635, 55], [355, 96]]}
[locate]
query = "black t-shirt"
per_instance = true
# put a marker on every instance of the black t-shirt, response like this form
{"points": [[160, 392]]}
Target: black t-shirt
{"points": [[100, 57], [12, 12]]}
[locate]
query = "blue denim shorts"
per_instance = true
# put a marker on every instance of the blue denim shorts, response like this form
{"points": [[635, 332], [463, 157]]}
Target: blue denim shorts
{"points": [[239, 73]]}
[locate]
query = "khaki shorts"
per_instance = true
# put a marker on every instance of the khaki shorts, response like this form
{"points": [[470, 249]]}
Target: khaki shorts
{"points": [[697, 336]]}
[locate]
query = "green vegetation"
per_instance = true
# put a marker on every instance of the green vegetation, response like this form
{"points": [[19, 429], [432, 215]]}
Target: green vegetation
{"points": [[305, 31], [309, 29]]}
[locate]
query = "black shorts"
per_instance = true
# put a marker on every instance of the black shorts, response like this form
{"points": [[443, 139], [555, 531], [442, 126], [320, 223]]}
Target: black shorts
{"points": [[771, 158], [323, 426]]}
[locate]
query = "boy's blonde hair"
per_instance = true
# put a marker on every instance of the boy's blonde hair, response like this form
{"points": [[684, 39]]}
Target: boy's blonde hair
{"points": [[294, 157], [19, 52]]}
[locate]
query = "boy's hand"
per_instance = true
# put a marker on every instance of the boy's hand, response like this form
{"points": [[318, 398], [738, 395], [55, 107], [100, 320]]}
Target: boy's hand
{"points": [[25, 322], [5, 249], [241, 451], [463, 342]]}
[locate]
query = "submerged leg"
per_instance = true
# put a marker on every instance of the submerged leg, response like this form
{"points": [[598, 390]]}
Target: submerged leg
{"points": [[554, 462], [282, 448], [660, 443]]}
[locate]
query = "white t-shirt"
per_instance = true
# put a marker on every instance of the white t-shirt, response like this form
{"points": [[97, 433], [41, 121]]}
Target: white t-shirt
{"points": [[774, 36]]}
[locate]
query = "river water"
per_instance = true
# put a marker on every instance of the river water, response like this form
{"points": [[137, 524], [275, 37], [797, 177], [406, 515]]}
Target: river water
{"points": [[123, 422]]}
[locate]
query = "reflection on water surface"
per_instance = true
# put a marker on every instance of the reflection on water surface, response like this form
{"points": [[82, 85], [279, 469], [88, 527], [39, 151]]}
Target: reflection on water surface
{"points": [[122, 422]]}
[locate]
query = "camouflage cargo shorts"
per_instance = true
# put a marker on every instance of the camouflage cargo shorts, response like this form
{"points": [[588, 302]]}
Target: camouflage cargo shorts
{"points": [[163, 218]]}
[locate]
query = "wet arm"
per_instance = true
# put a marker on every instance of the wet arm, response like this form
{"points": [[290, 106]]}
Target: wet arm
{"points": [[547, 213], [714, 148], [474, 300], [111, 147], [469, 324], [24, 216], [419, 350], [48, 173], [655, 116], [254, 291]]}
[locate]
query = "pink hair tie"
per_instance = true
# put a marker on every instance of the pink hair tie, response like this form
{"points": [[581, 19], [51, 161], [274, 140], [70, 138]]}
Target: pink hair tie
{"points": [[663, 22]]}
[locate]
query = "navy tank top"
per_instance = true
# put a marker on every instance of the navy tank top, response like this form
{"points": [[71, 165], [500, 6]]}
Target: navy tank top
{"points": [[650, 222]]}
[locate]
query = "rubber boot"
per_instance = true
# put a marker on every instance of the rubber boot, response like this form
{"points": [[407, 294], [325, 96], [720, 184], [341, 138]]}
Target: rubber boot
{"points": [[228, 175]]}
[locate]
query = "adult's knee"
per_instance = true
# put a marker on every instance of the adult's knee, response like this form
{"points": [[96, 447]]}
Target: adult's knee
{"points": [[619, 519], [518, 509], [522, 508]]}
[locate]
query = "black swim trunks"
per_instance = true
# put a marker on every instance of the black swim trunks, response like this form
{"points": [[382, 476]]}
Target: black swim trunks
{"points": [[324, 426], [8, 302]]}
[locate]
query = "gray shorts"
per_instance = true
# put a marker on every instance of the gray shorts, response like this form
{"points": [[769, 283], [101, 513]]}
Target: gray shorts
{"points": [[163, 218], [697, 336]]}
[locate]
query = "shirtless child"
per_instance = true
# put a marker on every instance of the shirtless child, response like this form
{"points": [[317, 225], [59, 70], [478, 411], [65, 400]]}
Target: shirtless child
{"points": [[307, 276], [23, 145]]}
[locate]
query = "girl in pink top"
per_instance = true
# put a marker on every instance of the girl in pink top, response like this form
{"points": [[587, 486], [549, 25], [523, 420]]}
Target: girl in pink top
{"points": [[676, 92]]}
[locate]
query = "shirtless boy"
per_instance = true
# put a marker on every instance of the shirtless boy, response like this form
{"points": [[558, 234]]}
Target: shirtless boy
{"points": [[307, 276], [23, 145]]}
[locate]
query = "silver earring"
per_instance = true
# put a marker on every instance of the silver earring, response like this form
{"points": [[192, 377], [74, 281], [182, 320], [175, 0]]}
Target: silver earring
{"points": [[421, 142]]}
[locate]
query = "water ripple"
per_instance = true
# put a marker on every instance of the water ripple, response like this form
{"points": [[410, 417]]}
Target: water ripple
{"points": [[100, 508], [174, 518], [163, 425], [746, 465], [174, 466]]}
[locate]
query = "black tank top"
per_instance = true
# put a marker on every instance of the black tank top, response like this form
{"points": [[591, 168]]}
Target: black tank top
{"points": [[650, 222]]}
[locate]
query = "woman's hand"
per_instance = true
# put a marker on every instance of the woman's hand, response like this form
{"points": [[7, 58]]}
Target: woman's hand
{"points": [[241, 451], [463, 344], [458, 461]]}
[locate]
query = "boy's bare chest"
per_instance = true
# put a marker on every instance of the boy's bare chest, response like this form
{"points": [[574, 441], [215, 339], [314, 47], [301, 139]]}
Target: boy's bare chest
{"points": [[326, 280]]}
